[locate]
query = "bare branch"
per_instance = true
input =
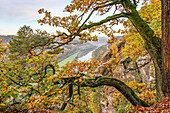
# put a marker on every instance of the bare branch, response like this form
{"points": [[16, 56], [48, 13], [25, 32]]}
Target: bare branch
{"points": [[135, 2], [96, 8], [84, 12]]}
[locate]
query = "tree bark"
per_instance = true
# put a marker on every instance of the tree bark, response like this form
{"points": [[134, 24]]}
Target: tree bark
{"points": [[166, 47]]}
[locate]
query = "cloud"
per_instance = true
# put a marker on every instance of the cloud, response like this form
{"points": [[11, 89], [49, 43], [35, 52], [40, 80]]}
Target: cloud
{"points": [[16, 13], [28, 9]]}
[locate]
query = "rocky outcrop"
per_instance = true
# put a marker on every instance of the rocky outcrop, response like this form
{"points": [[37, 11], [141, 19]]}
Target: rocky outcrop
{"points": [[141, 70], [146, 68]]}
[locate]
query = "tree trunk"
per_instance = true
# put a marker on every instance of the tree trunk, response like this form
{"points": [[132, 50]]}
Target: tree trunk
{"points": [[166, 47], [152, 44]]}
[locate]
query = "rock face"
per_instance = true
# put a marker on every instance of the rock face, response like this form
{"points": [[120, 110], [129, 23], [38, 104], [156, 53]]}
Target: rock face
{"points": [[101, 52], [147, 68], [141, 70]]}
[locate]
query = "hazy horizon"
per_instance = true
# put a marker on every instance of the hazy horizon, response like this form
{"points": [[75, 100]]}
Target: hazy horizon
{"points": [[17, 13]]}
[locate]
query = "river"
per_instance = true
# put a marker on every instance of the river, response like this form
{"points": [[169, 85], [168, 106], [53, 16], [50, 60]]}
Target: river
{"points": [[86, 57]]}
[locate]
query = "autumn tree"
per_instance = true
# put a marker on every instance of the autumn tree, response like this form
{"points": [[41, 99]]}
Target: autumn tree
{"points": [[78, 25], [65, 84]]}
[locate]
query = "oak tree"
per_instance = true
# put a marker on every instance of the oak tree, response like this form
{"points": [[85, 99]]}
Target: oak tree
{"points": [[55, 89], [81, 26]]}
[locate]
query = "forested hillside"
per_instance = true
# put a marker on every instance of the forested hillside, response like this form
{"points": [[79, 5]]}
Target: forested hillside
{"points": [[6, 39]]}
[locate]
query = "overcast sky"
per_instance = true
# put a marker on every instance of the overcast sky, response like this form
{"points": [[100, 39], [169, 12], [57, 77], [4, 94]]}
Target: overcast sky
{"points": [[16, 13]]}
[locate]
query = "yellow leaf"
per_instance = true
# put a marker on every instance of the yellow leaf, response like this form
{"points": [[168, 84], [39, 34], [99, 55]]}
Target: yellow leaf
{"points": [[79, 80], [2, 104], [5, 44], [51, 77], [67, 99]]}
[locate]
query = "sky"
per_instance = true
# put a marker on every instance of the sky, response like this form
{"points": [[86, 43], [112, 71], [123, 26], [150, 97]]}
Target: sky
{"points": [[16, 13]]}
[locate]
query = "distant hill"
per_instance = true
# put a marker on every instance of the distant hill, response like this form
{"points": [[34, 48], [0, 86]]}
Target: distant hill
{"points": [[6, 39], [100, 51], [102, 41], [75, 47], [102, 48]]}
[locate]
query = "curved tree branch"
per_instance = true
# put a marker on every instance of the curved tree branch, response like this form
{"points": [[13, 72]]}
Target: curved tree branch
{"points": [[119, 85], [109, 81], [69, 97], [105, 20]]}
